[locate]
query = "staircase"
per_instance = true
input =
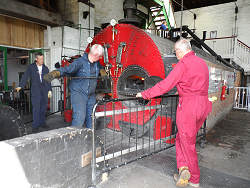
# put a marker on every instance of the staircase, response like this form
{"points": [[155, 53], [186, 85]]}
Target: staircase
{"points": [[242, 55], [233, 49], [162, 12]]}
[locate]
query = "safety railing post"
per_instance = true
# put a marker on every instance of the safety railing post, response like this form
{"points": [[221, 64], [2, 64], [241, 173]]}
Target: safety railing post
{"points": [[205, 130], [248, 99], [93, 161], [141, 133], [203, 140]]}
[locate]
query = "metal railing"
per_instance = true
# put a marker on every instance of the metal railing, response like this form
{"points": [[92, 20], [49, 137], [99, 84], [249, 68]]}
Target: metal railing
{"points": [[222, 45], [132, 129], [159, 32], [242, 55], [242, 98], [21, 102], [232, 48]]}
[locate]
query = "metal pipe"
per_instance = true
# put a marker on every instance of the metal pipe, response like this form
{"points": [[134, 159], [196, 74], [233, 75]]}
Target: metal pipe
{"points": [[181, 17], [89, 18], [209, 49]]}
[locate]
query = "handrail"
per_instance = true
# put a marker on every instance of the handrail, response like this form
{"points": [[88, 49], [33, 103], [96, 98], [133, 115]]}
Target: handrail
{"points": [[243, 43], [218, 38], [229, 37]]}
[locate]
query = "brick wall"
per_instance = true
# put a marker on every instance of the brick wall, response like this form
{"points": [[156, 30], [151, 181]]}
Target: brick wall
{"points": [[221, 108]]}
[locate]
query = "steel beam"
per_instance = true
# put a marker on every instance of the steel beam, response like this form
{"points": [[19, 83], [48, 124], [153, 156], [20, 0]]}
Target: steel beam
{"points": [[159, 11]]}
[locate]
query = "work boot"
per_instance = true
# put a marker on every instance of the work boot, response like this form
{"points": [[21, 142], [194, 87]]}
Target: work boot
{"points": [[45, 126], [195, 185], [182, 178], [51, 75], [35, 129]]}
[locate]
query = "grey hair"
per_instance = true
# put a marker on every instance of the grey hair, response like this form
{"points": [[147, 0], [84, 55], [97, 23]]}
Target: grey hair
{"points": [[183, 45], [38, 54], [97, 49]]}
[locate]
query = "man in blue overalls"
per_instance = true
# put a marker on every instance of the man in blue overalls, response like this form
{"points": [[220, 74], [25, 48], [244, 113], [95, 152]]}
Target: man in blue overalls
{"points": [[40, 91], [84, 72]]}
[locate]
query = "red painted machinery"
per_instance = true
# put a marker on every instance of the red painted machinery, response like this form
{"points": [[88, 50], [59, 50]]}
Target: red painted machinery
{"points": [[135, 61], [67, 110]]}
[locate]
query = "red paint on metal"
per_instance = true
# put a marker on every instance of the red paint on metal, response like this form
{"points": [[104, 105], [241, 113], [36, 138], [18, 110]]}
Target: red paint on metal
{"points": [[68, 116], [140, 50], [223, 93], [65, 63], [163, 128], [173, 65]]}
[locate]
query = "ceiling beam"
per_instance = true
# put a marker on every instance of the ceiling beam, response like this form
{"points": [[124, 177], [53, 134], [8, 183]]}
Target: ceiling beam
{"points": [[30, 13], [87, 2]]}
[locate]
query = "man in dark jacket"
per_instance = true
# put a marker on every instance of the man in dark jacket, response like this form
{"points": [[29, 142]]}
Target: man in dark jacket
{"points": [[40, 91], [84, 72]]}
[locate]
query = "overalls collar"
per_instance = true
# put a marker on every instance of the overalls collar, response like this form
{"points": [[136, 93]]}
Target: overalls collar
{"points": [[189, 54]]}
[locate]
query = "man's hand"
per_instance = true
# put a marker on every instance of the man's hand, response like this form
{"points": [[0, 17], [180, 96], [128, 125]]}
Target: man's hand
{"points": [[212, 99], [103, 73], [18, 89], [49, 94], [139, 95], [51, 75]]}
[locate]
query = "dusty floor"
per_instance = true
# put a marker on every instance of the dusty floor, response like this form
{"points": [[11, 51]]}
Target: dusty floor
{"points": [[54, 121], [224, 162]]}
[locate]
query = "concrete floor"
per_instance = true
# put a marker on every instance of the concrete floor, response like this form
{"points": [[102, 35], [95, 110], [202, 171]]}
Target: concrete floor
{"points": [[54, 121], [224, 162]]}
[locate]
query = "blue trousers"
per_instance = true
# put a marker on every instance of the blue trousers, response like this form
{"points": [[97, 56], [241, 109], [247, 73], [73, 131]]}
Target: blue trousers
{"points": [[39, 107], [82, 109]]}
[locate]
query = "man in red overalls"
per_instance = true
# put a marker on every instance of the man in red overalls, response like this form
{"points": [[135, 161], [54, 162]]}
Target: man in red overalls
{"points": [[191, 77]]}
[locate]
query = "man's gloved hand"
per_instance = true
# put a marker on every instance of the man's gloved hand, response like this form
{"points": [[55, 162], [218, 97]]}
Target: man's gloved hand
{"points": [[51, 75], [139, 95], [103, 73], [212, 99], [18, 89], [49, 94]]}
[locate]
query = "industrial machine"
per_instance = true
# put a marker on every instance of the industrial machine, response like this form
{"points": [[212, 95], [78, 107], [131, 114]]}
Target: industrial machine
{"points": [[134, 61]]}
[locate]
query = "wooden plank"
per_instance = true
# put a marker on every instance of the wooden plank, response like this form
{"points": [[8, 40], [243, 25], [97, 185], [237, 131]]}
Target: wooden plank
{"points": [[19, 33], [36, 36], [30, 36], [87, 157], [5, 36], [41, 36]]}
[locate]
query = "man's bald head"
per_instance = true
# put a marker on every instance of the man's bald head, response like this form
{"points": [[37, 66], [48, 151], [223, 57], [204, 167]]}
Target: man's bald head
{"points": [[182, 47], [96, 52]]}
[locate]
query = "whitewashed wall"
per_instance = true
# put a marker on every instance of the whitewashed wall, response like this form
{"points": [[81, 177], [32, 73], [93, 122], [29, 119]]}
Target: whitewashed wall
{"points": [[85, 33], [244, 21], [107, 10], [220, 18], [14, 67]]}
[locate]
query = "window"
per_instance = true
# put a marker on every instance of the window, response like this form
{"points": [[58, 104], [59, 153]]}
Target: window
{"points": [[213, 34]]}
